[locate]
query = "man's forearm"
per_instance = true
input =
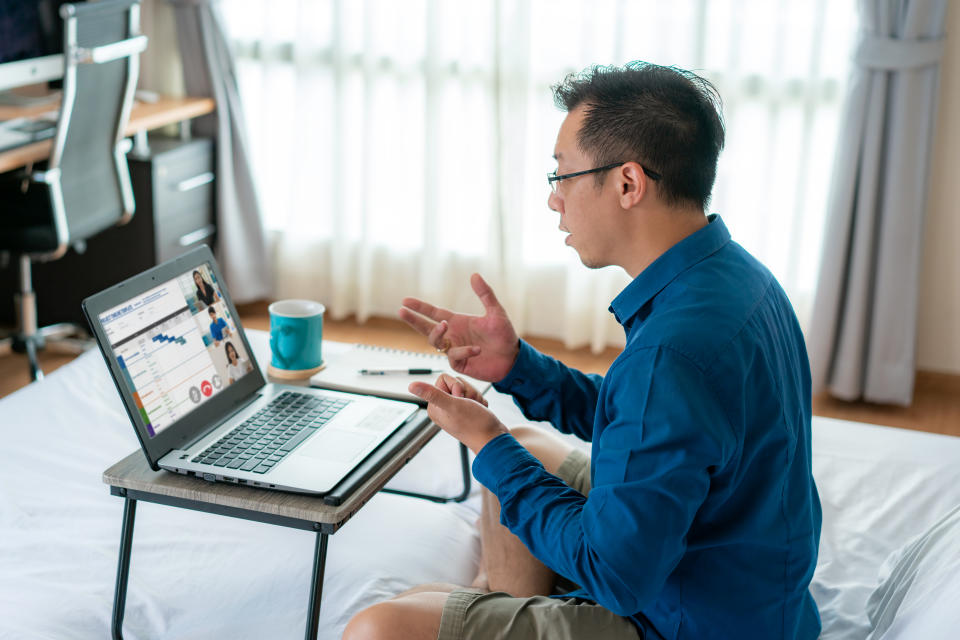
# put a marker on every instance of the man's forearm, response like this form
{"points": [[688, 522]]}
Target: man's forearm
{"points": [[547, 389]]}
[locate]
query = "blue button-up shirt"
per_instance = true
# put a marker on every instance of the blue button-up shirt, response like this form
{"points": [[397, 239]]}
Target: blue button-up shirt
{"points": [[703, 519]]}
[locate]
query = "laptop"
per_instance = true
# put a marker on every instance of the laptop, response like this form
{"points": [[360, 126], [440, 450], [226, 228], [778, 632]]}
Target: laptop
{"points": [[199, 402], [23, 131]]}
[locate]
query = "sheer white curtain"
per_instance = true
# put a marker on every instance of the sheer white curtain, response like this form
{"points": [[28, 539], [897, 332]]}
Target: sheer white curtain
{"points": [[402, 145]]}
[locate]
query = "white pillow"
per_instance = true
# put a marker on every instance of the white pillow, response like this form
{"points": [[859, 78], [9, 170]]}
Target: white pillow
{"points": [[920, 587]]}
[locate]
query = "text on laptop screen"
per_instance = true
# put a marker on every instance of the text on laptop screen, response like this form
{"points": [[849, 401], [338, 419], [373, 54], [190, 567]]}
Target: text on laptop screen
{"points": [[177, 346]]}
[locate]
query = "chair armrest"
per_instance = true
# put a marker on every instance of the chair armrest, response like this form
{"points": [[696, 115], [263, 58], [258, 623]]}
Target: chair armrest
{"points": [[49, 176], [110, 52]]}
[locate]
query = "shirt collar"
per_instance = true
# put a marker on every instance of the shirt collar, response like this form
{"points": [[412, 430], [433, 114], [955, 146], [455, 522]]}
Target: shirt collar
{"points": [[673, 262]]}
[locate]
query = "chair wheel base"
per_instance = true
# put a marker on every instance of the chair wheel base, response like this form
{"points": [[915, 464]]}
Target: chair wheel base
{"points": [[21, 343]]}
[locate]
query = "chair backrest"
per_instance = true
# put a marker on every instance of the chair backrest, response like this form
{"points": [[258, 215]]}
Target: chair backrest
{"points": [[87, 173]]}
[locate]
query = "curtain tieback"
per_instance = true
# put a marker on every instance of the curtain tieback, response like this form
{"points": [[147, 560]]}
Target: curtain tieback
{"points": [[892, 54]]}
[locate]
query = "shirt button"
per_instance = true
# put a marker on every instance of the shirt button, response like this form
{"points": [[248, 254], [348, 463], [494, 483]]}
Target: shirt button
{"points": [[519, 382]]}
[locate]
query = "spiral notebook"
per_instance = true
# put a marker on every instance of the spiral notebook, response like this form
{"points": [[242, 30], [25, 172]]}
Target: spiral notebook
{"points": [[342, 371]]}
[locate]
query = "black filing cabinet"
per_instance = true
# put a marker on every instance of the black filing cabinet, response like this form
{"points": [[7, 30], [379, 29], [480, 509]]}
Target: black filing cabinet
{"points": [[174, 188]]}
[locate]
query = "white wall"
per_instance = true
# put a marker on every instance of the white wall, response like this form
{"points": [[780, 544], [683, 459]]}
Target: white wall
{"points": [[939, 320], [160, 68]]}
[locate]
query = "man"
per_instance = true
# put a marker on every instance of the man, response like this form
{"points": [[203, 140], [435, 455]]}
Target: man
{"points": [[696, 515], [218, 326]]}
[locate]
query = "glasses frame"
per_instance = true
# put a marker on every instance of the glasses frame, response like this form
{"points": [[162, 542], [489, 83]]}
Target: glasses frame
{"points": [[554, 180]]}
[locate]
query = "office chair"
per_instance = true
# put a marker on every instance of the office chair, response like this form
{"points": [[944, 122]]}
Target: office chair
{"points": [[85, 186]]}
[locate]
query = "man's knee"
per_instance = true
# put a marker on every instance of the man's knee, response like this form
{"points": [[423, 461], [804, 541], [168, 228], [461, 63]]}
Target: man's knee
{"points": [[416, 617], [548, 448], [372, 623]]}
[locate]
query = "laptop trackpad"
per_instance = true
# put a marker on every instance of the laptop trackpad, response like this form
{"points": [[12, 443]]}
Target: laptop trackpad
{"points": [[337, 445]]}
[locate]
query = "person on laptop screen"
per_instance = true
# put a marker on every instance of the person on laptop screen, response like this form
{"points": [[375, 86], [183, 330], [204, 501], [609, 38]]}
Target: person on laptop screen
{"points": [[218, 326], [237, 367], [205, 291], [695, 516]]}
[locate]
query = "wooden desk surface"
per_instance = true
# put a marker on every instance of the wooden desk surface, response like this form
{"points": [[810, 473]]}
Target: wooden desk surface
{"points": [[143, 117], [133, 472]]}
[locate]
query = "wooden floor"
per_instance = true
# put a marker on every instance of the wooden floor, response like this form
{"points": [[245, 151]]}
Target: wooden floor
{"points": [[936, 405]]}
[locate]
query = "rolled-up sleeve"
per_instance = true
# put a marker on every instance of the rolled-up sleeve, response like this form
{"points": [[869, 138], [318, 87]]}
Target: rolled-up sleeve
{"points": [[665, 435]]}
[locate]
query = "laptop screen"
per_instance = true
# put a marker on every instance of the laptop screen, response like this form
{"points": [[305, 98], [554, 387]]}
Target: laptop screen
{"points": [[177, 346]]}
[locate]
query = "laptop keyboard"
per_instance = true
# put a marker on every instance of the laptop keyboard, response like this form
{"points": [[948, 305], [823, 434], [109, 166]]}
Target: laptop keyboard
{"points": [[268, 436]]}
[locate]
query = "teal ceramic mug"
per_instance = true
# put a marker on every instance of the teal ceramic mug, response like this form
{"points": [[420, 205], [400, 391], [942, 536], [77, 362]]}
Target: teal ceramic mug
{"points": [[296, 338]]}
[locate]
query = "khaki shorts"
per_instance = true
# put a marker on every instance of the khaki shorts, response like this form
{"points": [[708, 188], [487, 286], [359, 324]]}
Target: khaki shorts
{"points": [[471, 613]]}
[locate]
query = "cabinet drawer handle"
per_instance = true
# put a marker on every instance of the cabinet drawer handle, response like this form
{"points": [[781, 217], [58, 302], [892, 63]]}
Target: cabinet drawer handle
{"points": [[195, 181], [196, 236]]}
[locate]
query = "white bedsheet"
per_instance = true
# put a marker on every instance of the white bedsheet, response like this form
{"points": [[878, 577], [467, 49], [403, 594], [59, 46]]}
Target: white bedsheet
{"points": [[196, 575], [879, 487]]}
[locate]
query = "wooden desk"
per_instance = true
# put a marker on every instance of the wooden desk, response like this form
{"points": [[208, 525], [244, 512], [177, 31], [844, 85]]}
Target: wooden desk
{"points": [[143, 117]]}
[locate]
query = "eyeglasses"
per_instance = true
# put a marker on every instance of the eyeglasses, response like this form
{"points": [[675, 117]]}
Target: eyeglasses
{"points": [[554, 180]]}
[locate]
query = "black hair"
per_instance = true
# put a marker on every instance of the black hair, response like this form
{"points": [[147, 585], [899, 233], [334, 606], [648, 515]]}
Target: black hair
{"points": [[210, 309], [226, 351], [203, 281], [664, 118]]}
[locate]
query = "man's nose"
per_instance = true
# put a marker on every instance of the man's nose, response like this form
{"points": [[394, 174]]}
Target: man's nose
{"points": [[555, 202]]}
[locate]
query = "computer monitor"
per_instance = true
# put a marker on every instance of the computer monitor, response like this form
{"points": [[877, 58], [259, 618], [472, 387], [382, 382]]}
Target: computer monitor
{"points": [[31, 42]]}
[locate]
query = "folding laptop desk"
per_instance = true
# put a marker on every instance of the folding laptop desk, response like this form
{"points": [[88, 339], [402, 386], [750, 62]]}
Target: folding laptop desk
{"points": [[133, 480]]}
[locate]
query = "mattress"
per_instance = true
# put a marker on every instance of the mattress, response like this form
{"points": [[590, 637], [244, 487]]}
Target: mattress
{"points": [[197, 575]]}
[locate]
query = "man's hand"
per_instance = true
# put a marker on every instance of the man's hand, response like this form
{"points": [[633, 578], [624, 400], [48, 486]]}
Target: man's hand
{"points": [[462, 416], [483, 347], [459, 388]]}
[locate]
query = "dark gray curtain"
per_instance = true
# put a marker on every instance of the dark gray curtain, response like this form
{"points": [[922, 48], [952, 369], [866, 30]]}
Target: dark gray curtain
{"points": [[208, 70], [863, 332]]}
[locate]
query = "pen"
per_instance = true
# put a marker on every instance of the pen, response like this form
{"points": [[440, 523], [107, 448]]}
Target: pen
{"points": [[387, 372]]}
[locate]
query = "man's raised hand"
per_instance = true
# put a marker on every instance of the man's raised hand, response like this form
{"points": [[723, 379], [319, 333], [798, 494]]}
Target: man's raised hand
{"points": [[483, 347]]}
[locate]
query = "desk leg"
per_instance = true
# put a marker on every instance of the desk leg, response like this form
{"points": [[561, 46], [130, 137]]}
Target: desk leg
{"points": [[316, 586], [36, 373], [464, 470], [123, 567]]}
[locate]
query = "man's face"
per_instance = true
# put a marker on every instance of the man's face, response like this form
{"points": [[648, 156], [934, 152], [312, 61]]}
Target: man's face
{"points": [[585, 210]]}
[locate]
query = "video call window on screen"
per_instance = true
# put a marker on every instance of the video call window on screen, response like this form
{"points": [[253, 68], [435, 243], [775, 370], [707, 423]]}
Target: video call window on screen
{"points": [[177, 346]]}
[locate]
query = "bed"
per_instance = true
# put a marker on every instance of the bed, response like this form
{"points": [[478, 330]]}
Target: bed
{"points": [[196, 575]]}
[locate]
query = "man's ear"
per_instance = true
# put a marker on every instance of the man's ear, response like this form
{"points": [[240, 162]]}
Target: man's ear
{"points": [[633, 184]]}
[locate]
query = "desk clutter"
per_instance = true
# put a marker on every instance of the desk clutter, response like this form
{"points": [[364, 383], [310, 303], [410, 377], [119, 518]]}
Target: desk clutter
{"points": [[22, 131]]}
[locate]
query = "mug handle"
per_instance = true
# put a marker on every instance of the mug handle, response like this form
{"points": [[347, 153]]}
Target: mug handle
{"points": [[283, 330]]}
